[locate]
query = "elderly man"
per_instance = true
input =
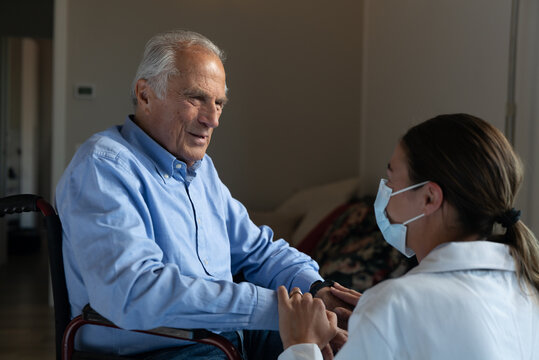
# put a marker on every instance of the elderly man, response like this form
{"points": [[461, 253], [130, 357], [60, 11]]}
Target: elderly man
{"points": [[152, 237]]}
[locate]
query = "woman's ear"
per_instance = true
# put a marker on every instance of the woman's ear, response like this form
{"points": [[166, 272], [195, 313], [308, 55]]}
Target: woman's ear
{"points": [[433, 197]]}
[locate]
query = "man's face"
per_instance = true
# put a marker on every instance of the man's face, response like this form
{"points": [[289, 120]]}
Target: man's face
{"points": [[183, 121]]}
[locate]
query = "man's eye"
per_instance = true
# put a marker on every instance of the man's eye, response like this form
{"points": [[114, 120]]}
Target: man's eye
{"points": [[196, 100]]}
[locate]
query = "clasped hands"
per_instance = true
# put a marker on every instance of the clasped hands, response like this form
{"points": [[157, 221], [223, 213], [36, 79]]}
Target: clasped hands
{"points": [[322, 320]]}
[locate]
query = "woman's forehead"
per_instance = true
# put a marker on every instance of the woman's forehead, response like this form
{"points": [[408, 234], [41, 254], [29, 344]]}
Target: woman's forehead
{"points": [[398, 164]]}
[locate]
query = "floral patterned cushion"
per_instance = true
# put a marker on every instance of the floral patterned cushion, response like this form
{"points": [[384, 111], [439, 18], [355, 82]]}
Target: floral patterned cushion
{"points": [[353, 252]]}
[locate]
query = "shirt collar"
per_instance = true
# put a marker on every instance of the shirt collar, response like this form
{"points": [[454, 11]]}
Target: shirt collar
{"points": [[165, 163], [467, 255]]}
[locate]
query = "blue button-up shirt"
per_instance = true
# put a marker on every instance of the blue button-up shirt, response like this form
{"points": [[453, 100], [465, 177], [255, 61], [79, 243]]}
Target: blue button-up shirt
{"points": [[149, 242]]}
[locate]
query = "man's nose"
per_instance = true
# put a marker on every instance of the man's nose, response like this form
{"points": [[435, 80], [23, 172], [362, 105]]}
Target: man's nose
{"points": [[209, 115]]}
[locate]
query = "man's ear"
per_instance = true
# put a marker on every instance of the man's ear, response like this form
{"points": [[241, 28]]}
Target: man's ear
{"points": [[144, 94], [433, 197]]}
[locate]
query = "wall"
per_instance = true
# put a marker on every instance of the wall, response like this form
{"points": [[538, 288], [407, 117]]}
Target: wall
{"points": [[293, 69], [28, 123], [45, 117], [311, 84], [527, 113], [424, 58]]}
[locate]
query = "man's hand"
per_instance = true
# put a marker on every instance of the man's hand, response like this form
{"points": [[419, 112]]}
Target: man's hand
{"points": [[335, 344], [330, 300], [340, 300], [327, 352], [303, 319], [338, 340], [343, 315], [348, 295]]}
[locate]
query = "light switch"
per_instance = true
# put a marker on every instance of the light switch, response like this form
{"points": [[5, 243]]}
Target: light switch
{"points": [[84, 91]]}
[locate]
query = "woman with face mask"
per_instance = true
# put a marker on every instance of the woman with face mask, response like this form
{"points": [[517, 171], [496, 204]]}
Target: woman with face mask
{"points": [[449, 200]]}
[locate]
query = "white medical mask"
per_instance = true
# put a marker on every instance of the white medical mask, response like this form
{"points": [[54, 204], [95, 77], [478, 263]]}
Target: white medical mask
{"points": [[394, 234]]}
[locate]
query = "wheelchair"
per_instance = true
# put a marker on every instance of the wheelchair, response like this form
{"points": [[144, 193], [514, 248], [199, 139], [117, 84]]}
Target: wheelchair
{"points": [[65, 327]]}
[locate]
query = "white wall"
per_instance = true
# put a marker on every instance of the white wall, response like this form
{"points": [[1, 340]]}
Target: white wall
{"points": [[527, 113], [293, 69], [423, 58], [312, 84]]}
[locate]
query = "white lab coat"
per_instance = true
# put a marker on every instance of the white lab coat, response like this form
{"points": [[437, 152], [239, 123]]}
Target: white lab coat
{"points": [[463, 301]]}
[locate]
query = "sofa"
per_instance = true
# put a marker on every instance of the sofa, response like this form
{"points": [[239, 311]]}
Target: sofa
{"points": [[336, 226]]}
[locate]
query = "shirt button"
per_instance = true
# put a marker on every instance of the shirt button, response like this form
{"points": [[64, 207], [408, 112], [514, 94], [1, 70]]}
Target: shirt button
{"points": [[206, 262], [166, 176], [178, 166]]}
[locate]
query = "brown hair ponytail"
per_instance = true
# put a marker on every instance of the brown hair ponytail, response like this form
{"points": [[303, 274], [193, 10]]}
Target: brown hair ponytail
{"points": [[525, 251]]}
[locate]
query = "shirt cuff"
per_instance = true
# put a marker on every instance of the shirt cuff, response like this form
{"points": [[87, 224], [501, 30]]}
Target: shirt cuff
{"points": [[301, 352], [265, 314], [304, 280]]}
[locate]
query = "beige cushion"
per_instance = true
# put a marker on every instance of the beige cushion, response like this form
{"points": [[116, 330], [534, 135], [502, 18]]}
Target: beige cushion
{"points": [[314, 204], [283, 225], [298, 215]]}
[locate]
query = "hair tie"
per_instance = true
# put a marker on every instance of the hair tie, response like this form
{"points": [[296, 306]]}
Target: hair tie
{"points": [[509, 218]]}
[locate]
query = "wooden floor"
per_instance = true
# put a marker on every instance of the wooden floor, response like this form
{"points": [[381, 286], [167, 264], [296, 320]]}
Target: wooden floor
{"points": [[26, 319]]}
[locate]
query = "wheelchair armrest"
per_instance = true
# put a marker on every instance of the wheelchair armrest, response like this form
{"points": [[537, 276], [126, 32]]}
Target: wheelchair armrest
{"points": [[18, 204], [90, 315]]}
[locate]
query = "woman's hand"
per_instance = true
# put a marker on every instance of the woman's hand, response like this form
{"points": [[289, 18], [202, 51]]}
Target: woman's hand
{"points": [[303, 319]]}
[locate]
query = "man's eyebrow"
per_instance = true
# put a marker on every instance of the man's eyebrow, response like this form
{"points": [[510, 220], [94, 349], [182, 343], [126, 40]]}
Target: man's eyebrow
{"points": [[194, 92]]}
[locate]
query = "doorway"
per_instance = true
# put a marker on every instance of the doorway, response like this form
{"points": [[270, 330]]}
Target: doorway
{"points": [[25, 133]]}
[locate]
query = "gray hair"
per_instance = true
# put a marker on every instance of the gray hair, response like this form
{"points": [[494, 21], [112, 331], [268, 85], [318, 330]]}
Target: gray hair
{"points": [[158, 62]]}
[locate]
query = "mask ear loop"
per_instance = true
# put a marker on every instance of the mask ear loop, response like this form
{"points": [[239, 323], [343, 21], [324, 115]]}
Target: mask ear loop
{"points": [[413, 219], [409, 188]]}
